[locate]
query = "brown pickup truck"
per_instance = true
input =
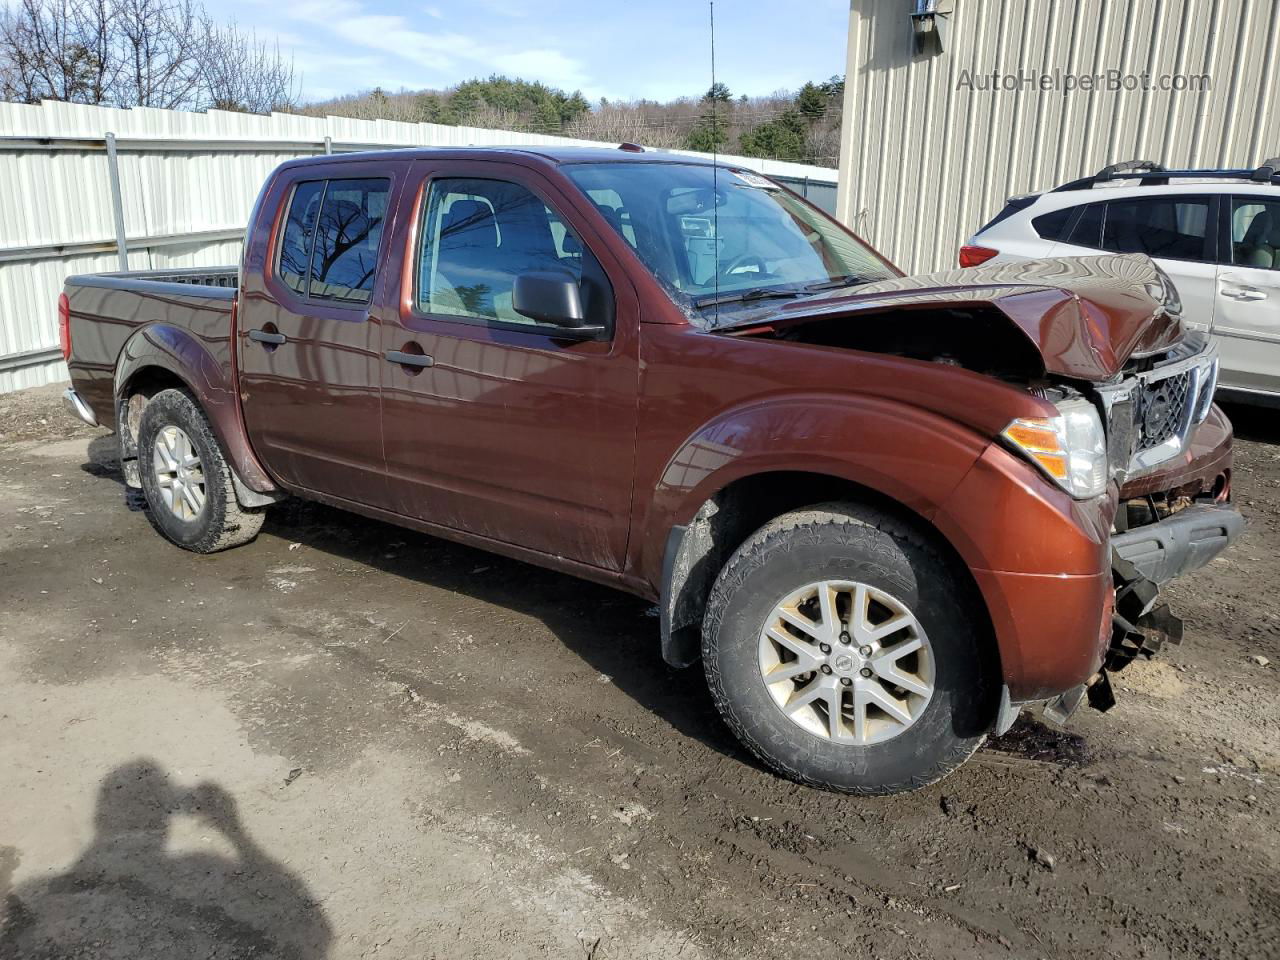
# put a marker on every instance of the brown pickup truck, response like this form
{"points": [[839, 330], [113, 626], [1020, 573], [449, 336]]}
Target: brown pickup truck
{"points": [[887, 513]]}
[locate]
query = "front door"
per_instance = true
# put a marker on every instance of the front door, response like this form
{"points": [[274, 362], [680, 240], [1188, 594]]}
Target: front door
{"points": [[310, 356], [1248, 317], [493, 423]]}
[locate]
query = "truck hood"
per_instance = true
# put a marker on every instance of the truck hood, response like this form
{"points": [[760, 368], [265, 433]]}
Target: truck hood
{"points": [[1086, 317]]}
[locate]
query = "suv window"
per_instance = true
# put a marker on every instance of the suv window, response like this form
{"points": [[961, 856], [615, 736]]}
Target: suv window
{"points": [[330, 246], [1052, 226], [1255, 232], [1088, 229], [479, 235], [1177, 228]]}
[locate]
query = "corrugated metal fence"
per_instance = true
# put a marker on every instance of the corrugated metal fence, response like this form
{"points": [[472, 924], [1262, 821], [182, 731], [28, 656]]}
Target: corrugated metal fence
{"points": [[178, 188], [932, 151]]}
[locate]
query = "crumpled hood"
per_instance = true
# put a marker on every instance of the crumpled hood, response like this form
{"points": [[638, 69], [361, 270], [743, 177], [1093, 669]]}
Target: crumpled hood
{"points": [[1087, 316]]}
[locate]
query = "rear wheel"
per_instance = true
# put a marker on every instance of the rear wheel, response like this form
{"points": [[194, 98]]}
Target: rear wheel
{"points": [[190, 496], [847, 653]]}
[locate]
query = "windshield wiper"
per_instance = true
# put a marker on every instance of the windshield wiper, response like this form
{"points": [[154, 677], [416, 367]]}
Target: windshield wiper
{"points": [[835, 283], [746, 296]]}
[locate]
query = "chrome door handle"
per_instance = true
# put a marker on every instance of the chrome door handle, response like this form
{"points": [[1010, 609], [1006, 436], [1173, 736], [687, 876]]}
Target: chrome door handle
{"points": [[409, 359], [264, 336], [1244, 293]]}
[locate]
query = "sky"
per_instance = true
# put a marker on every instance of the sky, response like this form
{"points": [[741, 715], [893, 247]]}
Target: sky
{"points": [[657, 50]]}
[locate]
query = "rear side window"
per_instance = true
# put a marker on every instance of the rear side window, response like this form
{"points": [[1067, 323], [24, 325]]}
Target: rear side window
{"points": [[1088, 229], [1053, 226], [330, 246], [299, 230], [1177, 228]]}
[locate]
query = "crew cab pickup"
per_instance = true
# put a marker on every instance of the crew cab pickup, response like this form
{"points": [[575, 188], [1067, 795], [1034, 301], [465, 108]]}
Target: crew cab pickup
{"points": [[885, 512]]}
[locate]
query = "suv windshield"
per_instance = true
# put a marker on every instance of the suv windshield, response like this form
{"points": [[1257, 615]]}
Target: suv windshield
{"points": [[721, 239]]}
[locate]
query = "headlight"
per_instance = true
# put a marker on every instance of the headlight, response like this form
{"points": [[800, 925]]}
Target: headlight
{"points": [[1071, 448]]}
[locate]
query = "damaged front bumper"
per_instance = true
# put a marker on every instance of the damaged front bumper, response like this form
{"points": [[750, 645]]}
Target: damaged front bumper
{"points": [[1147, 557], [1143, 559]]}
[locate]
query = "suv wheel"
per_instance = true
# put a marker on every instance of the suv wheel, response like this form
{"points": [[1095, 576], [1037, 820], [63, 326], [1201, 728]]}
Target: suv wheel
{"points": [[846, 653], [186, 480]]}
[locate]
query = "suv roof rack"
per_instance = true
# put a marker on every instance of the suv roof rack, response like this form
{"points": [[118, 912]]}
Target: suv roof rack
{"points": [[1152, 174], [1267, 171]]}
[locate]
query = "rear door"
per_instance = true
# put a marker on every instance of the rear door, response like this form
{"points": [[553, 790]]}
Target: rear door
{"points": [[1248, 317], [310, 360], [505, 428], [1178, 231]]}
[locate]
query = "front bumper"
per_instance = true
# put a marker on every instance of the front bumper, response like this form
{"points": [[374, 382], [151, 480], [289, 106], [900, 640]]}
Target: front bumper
{"points": [[1186, 541]]}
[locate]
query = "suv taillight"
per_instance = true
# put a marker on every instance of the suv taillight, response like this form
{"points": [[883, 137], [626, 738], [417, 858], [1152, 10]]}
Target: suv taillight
{"points": [[64, 325], [972, 256]]}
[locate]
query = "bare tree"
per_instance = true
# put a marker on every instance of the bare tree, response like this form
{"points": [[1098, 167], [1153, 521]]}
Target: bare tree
{"points": [[627, 123], [238, 72], [152, 53]]}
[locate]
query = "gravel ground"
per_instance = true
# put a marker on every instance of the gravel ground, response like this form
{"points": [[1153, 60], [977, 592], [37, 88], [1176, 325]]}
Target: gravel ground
{"points": [[346, 739]]}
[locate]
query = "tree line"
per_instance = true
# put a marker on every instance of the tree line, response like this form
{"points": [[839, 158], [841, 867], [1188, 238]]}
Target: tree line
{"points": [[173, 54], [144, 53], [803, 126]]}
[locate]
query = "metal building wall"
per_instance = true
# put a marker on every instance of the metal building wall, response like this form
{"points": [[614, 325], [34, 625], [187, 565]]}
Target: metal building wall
{"points": [[926, 162], [184, 203]]}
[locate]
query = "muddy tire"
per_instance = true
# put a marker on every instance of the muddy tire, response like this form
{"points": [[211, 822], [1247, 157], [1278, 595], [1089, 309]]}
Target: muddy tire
{"points": [[185, 478], [847, 653]]}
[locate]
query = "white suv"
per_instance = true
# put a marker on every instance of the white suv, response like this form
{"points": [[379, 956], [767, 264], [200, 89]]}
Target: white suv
{"points": [[1215, 232]]}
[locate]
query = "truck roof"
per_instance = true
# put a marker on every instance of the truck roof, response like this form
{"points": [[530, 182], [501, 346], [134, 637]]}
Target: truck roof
{"points": [[627, 153]]}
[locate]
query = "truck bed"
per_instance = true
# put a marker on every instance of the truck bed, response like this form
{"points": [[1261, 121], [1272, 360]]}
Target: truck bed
{"points": [[107, 308]]}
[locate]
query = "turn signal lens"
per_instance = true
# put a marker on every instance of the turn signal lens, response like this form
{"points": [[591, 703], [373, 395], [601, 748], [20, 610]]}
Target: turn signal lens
{"points": [[1071, 448]]}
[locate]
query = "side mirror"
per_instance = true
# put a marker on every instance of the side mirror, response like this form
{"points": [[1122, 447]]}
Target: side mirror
{"points": [[551, 298]]}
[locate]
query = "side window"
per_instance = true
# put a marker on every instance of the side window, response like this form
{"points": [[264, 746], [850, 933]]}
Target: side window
{"points": [[299, 232], [329, 250], [345, 252], [1178, 228], [1255, 232], [1088, 229], [609, 203], [1052, 226], [479, 235]]}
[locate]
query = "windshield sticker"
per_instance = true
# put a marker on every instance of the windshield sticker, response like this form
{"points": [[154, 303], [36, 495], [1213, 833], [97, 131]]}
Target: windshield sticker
{"points": [[754, 180]]}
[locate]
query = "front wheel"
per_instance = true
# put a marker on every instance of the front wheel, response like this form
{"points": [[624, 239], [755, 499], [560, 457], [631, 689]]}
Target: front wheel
{"points": [[847, 653], [190, 496]]}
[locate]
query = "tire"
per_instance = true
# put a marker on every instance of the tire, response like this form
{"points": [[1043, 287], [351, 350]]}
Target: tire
{"points": [[868, 750], [220, 522]]}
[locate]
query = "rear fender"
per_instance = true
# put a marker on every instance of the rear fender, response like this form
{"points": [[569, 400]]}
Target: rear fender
{"points": [[178, 352]]}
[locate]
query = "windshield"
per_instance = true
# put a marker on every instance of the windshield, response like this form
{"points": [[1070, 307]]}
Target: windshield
{"points": [[721, 239]]}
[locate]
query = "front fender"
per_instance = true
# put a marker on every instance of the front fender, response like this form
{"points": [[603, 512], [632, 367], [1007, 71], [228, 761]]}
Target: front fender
{"points": [[182, 354], [904, 453]]}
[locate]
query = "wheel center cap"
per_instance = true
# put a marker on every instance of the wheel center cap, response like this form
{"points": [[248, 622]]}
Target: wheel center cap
{"points": [[843, 663]]}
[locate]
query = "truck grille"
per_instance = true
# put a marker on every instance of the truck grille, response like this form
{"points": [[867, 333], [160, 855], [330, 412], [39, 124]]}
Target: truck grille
{"points": [[1151, 415], [1163, 410]]}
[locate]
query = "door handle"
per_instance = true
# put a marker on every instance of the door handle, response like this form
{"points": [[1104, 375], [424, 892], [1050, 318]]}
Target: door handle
{"points": [[409, 359], [1244, 292], [265, 336]]}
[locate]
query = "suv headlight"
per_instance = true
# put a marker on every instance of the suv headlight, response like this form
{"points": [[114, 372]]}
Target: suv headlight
{"points": [[1070, 449]]}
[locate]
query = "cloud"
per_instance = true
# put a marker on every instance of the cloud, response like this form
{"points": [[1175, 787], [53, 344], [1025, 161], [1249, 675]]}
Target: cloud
{"points": [[442, 54]]}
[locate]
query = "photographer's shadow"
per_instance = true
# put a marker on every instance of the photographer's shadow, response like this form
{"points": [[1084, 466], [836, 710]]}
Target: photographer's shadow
{"points": [[127, 896]]}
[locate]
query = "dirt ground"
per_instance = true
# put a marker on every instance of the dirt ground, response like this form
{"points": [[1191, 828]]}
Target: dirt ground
{"points": [[348, 740]]}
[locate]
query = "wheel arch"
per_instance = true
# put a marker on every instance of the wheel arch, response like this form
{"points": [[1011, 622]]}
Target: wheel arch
{"points": [[696, 551], [159, 356]]}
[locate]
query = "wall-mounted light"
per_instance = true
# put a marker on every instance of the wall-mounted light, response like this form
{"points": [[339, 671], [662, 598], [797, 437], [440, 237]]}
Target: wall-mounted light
{"points": [[930, 25]]}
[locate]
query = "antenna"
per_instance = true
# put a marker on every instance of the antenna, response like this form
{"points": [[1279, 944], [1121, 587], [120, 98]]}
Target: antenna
{"points": [[715, 166]]}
